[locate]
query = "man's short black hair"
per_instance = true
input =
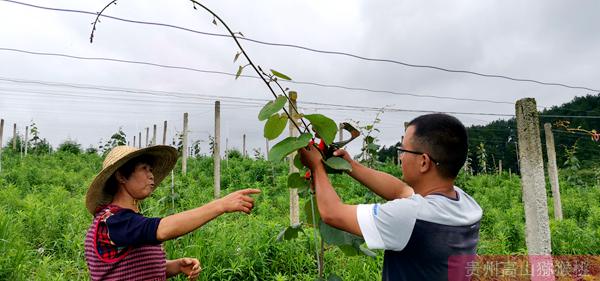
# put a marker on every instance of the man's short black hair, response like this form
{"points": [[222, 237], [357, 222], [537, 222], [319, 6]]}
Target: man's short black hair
{"points": [[126, 170], [443, 137]]}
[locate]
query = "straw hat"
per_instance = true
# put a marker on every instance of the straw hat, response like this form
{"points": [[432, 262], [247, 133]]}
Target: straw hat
{"points": [[165, 159]]}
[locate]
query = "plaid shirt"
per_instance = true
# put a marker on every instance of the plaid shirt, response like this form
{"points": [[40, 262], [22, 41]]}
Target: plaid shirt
{"points": [[107, 249]]}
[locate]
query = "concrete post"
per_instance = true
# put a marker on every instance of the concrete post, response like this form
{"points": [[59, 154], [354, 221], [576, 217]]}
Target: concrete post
{"points": [[154, 135], [133, 140], [14, 136], [217, 150], [147, 136], [500, 167], [164, 142], [267, 146], [340, 132], [26, 140], [294, 201], [139, 139], [184, 148], [553, 171], [244, 145], [1, 137], [537, 229]]}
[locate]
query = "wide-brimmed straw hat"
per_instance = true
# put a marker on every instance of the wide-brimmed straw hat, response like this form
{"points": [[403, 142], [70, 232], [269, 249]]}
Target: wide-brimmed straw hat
{"points": [[165, 159]]}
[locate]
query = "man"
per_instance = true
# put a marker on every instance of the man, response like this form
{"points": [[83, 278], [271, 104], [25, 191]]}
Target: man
{"points": [[427, 221]]}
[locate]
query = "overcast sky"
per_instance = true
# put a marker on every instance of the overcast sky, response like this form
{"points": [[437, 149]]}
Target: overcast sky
{"points": [[550, 41]]}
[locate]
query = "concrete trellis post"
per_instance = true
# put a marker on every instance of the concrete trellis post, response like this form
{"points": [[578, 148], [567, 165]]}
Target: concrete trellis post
{"points": [[26, 140], [14, 136], [133, 140], [1, 137], [147, 135], [267, 146], [340, 132], [553, 171], [294, 204], [164, 142], [217, 150], [154, 135], [139, 139], [537, 236], [244, 145], [500, 167], [184, 148]]}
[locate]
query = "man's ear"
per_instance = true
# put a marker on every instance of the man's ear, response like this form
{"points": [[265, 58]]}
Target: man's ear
{"points": [[424, 163]]}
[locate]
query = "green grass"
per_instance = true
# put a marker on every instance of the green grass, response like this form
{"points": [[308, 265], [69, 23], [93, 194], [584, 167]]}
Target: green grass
{"points": [[43, 220]]}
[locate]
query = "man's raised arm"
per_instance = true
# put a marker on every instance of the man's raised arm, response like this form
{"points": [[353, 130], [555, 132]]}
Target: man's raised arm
{"points": [[383, 184]]}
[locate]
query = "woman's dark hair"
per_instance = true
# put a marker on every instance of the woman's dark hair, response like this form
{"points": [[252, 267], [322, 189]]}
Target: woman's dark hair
{"points": [[126, 170], [445, 138]]}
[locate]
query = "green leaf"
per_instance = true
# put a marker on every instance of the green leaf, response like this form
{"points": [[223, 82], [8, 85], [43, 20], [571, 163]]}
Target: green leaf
{"points": [[334, 277], [295, 180], [290, 232], [237, 55], [338, 163], [372, 147], [274, 126], [309, 213], [239, 72], [325, 127], [271, 107], [297, 162], [348, 250], [288, 145], [280, 75], [334, 236], [367, 252]]}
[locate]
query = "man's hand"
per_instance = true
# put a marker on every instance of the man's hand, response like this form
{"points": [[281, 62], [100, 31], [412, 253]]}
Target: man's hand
{"points": [[190, 267], [239, 201], [311, 157], [343, 153]]}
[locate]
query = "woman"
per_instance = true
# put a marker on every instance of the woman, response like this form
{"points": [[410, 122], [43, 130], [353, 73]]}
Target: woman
{"points": [[121, 243]]}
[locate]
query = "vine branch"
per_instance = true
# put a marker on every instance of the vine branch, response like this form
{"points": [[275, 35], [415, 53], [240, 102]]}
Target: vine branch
{"points": [[97, 20], [237, 42]]}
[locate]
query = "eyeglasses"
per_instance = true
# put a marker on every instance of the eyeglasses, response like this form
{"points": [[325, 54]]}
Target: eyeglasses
{"points": [[402, 150]]}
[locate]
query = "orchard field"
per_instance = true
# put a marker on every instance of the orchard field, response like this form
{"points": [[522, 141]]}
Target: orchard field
{"points": [[43, 220]]}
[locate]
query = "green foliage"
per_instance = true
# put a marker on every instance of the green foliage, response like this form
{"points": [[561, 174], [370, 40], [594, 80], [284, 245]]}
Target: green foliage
{"points": [[295, 180], [482, 157], [233, 154], [324, 126], [287, 146], [369, 150], [275, 126], [70, 146], [116, 139], [271, 108], [43, 220], [500, 137], [280, 75], [338, 163]]}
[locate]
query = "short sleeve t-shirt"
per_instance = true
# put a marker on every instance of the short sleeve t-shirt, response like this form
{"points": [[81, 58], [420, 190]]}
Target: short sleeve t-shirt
{"points": [[121, 228], [420, 233]]}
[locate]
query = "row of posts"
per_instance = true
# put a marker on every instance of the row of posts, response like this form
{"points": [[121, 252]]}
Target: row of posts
{"points": [[530, 160]]}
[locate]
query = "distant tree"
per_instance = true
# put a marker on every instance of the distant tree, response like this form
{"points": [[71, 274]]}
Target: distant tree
{"points": [[257, 153], [37, 145], [69, 146], [234, 154], [91, 150], [118, 138]]}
